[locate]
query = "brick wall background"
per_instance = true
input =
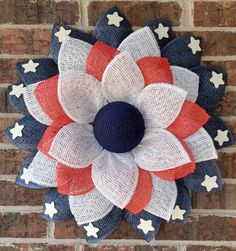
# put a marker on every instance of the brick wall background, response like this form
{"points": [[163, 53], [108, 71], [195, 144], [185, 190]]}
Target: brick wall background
{"points": [[25, 27]]}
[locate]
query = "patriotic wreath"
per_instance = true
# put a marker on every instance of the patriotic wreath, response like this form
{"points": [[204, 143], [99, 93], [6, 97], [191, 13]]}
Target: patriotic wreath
{"points": [[119, 125]]}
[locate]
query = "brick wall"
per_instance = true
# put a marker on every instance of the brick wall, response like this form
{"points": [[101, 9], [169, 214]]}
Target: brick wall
{"points": [[24, 33]]}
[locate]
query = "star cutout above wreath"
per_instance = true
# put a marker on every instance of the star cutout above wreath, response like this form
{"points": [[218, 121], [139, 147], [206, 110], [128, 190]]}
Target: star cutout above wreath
{"points": [[120, 125]]}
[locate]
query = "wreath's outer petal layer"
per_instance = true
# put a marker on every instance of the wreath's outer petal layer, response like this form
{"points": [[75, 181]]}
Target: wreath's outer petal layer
{"points": [[201, 145], [155, 70], [111, 34], [209, 95], [46, 69], [141, 43], [190, 119], [135, 219], [142, 192], [163, 198], [122, 78], [74, 33], [90, 207], [61, 204], [42, 171], [178, 53], [115, 176], [80, 96], [106, 225], [160, 104], [31, 134], [194, 181], [160, 150], [75, 146], [74, 181], [187, 80]]}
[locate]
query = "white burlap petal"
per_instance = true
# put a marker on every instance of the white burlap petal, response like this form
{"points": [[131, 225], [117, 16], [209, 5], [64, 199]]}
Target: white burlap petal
{"points": [[75, 146], [42, 171], [89, 207], [33, 106], [80, 96], [160, 104], [141, 43], [160, 150], [115, 176], [164, 194], [202, 146], [73, 55], [187, 80], [122, 79]]}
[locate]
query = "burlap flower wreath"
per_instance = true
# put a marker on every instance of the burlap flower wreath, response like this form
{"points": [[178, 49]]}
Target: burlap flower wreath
{"points": [[118, 126]]}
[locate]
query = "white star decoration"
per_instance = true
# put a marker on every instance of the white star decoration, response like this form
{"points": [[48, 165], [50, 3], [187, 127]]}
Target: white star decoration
{"points": [[210, 183], [62, 34], [30, 66], [194, 45], [24, 176], [217, 79], [222, 136], [17, 90], [50, 209], [114, 19], [145, 226], [162, 31], [178, 213], [91, 230], [16, 131]]}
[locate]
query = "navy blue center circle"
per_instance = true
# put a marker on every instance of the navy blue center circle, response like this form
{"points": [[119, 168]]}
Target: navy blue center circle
{"points": [[119, 127]]}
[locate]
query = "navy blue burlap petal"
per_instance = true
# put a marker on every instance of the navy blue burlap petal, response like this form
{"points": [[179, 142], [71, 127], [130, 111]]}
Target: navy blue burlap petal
{"points": [[18, 104], [75, 33], [61, 204], [135, 219], [183, 201], [178, 53], [214, 124], [31, 134], [20, 176], [154, 26], [105, 226], [47, 68], [194, 181], [111, 34], [209, 96]]}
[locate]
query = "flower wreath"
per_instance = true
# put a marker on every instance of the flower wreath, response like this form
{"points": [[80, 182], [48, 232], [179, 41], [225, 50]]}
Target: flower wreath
{"points": [[118, 125]]}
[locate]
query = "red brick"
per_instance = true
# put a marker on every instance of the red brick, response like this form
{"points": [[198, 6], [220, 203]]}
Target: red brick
{"points": [[217, 13], [4, 105], [4, 123], [39, 12], [127, 248], [209, 248], [38, 247], [138, 12], [227, 163], [22, 225], [227, 106]]}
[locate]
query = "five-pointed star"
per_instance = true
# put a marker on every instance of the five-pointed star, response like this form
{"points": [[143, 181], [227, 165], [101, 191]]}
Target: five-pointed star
{"points": [[114, 19], [50, 209], [178, 213], [217, 79], [194, 45], [210, 182], [30, 66], [17, 90], [162, 31], [145, 226], [24, 176], [222, 136], [91, 230], [16, 131], [62, 34]]}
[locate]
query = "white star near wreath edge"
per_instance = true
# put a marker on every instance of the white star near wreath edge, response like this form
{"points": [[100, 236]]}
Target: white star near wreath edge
{"points": [[178, 213], [217, 79], [210, 182], [222, 136], [145, 226], [62, 34], [162, 31], [50, 209], [17, 90], [114, 19], [24, 176], [194, 45], [16, 131], [91, 230], [30, 66]]}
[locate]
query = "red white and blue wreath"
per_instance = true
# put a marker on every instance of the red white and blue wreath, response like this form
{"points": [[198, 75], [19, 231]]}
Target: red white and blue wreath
{"points": [[120, 124]]}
